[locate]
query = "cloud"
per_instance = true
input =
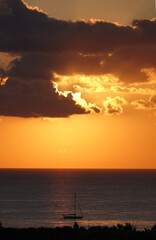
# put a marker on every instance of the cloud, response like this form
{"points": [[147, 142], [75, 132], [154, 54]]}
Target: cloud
{"points": [[85, 83], [2, 73], [114, 105], [31, 30], [78, 100], [36, 99], [5, 10], [42, 46], [145, 104], [26, 89], [133, 90], [30, 91]]}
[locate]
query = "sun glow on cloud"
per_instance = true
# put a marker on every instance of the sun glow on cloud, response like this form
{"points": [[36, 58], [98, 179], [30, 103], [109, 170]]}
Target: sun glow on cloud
{"points": [[33, 8], [77, 98], [114, 105], [145, 104], [106, 91], [86, 83], [3, 81]]}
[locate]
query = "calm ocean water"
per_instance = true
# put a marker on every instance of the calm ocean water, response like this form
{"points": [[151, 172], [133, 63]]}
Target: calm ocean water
{"points": [[34, 198]]}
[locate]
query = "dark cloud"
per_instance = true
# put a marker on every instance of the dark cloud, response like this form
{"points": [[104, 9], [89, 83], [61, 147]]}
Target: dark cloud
{"points": [[35, 66], [29, 92], [35, 99], [2, 73], [30, 30], [46, 45], [5, 10]]}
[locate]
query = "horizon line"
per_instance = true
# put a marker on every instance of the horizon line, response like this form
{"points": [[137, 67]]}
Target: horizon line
{"points": [[39, 168]]}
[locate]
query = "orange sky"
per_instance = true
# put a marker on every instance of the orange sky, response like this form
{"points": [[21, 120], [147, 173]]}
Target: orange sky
{"points": [[122, 11], [79, 142], [119, 132]]}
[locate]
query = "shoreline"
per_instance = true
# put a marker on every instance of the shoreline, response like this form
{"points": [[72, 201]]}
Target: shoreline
{"points": [[126, 231]]}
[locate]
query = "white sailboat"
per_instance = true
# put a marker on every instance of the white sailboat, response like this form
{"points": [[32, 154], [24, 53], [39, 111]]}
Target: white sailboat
{"points": [[74, 215]]}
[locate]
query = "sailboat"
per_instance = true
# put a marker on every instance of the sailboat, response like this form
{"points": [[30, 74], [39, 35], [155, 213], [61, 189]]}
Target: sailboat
{"points": [[73, 215]]}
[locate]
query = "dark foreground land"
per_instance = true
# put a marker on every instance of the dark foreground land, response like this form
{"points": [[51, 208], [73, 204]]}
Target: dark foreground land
{"points": [[121, 232]]}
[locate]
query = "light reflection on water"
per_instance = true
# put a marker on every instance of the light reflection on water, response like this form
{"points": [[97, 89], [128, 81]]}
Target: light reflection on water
{"points": [[40, 198]]}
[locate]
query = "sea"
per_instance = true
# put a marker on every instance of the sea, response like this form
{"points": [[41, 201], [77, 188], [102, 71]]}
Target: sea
{"points": [[40, 197]]}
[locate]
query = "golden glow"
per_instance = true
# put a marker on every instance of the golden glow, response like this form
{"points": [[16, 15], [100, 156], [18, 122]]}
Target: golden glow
{"points": [[5, 59], [86, 83], [109, 95], [84, 141], [77, 98], [145, 104], [134, 90], [3, 81], [33, 8], [114, 105]]}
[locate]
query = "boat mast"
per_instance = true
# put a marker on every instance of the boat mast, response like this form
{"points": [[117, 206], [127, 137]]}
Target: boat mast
{"points": [[75, 204]]}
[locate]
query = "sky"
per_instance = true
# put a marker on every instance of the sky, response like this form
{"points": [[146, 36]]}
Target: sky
{"points": [[122, 11], [77, 84]]}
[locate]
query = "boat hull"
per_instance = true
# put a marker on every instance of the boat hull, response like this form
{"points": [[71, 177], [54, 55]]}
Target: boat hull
{"points": [[72, 217]]}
